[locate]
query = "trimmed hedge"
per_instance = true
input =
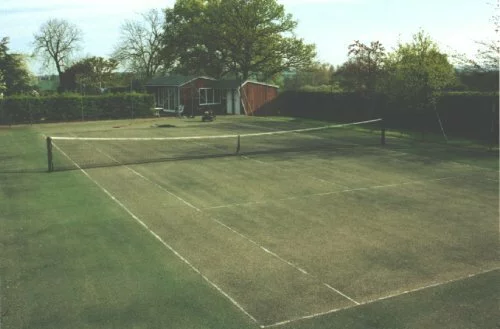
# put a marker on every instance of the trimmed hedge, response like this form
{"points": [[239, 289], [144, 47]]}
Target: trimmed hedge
{"points": [[464, 114], [339, 107], [73, 107]]}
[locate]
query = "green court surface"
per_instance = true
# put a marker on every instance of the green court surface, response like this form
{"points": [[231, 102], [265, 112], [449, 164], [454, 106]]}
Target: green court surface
{"points": [[313, 229]]}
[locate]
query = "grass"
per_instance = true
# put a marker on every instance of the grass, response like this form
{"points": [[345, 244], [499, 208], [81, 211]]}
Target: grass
{"points": [[368, 221]]}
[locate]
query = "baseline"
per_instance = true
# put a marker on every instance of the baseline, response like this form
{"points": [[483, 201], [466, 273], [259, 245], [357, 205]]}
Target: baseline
{"points": [[311, 316]]}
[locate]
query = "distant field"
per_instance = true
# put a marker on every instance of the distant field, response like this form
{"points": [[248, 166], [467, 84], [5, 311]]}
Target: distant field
{"points": [[317, 229]]}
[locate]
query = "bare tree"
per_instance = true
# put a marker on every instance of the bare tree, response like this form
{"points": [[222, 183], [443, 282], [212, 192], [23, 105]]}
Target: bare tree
{"points": [[139, 48], [487, 58], [489, 50], [56, 42]]}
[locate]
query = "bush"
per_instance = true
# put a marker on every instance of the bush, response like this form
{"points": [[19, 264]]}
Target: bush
{"points": [[71, 107]]}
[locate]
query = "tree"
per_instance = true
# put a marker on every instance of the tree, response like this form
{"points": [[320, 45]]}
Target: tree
{"points": [[14, 73], [318, 75], [56, 42], [363, 68], [415, 71], [482, 71], [242, 37], [88, 75], [3, 55], [488, 54], [139, 48]]}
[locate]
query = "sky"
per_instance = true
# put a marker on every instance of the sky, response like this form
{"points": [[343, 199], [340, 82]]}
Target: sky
{"points": [[329, 24]]}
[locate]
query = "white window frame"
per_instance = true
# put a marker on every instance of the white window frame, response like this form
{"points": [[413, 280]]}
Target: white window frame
{"points": [[206, 93]]}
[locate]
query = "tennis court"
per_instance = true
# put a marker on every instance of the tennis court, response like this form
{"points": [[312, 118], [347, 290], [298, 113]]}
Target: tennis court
{"points": [[299, 225]]}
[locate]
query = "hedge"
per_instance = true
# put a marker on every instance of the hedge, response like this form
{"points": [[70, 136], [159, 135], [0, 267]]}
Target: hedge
{"points": [[464, 114], [73, 107]]}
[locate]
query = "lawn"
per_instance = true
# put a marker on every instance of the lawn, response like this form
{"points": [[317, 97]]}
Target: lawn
{"points": [[304, 230]]}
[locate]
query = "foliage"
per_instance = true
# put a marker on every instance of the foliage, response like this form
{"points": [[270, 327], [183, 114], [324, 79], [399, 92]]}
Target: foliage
{"points": [[192, 38], [89, 75], [70, 107], [14, 73], [243, 37], [139, 48], [318, 74], [331, 88], [415, 71], [363, 68]]}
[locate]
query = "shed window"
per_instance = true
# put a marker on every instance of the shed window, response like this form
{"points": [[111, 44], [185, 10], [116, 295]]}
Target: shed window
{"points": [[209, 96], [167, 98]]}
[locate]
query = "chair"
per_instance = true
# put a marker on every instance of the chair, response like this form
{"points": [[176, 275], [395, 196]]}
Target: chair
{"points": [[180, 110]]}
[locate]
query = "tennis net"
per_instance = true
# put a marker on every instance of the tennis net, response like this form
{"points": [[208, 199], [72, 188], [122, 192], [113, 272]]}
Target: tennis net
{"points": [[76, 152]]}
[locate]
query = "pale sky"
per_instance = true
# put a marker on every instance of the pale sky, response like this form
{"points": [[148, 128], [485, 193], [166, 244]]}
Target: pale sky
{"points": [[330, 24]]}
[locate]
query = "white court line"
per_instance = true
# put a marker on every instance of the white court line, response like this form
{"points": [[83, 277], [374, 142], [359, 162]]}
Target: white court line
{"points": [[277, 324], [329, 193], [286, 261], [232, 300], [479, 168], [261, 247], [271, 165], [150, 181]]}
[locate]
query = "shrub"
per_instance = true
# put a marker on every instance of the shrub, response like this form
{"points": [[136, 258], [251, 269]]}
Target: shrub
{"points": [[71, 107]]}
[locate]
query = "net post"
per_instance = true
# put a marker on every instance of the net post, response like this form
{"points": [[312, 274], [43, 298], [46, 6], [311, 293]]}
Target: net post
{"points": [[382, 132], [50, 164], [238, 145]]}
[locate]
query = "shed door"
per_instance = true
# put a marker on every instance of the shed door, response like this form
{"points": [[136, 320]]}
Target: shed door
{"points": [[233, 102]]}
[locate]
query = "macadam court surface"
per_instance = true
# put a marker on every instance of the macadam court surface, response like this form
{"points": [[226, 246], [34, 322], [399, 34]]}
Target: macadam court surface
{"points": [[298, 226]]}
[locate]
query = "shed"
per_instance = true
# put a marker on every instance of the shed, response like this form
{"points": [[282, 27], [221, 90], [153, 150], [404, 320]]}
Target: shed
{"points": [[199, 93]]}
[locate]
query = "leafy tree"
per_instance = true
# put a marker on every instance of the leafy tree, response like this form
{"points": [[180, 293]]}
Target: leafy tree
{"points": [[56, 42], [363, 68], [90, 74], [316, 75], [139, 48], [415, 71], [14, 73], [191, 36], [242, 37]]}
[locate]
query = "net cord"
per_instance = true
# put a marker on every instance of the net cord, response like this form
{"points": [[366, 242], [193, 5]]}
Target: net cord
{"points": [[211, 136]]}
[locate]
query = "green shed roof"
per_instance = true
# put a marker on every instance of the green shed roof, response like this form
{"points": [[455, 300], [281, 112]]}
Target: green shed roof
{"points": [[173, 80]]}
